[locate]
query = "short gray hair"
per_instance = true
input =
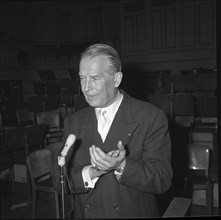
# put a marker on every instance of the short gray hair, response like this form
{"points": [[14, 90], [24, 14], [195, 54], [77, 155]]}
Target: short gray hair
{"points": [[106, 51]]}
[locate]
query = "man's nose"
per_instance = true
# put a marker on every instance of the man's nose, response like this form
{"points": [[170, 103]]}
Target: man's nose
{"points": [[88, 85]]}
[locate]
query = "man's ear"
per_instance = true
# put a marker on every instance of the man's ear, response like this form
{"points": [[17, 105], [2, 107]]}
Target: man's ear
{"points": [[117, 79]]}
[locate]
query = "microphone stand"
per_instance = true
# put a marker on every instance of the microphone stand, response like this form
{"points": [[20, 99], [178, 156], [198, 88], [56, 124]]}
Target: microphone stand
{"points": [[61, 163]]}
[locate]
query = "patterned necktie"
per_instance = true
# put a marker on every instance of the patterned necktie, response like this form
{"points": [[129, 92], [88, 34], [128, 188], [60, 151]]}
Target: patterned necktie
{"points": [[103, 124]]}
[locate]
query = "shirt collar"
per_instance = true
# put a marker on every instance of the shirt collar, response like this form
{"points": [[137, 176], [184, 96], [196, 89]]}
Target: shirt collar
{"points": [[112, 109]]}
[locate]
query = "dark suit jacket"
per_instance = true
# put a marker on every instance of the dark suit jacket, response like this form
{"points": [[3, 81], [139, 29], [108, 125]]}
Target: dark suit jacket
{"points": [[143, 129]]}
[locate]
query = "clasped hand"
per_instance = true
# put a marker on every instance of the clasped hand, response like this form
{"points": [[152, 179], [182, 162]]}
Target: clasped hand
{"points": [[107, 161]]}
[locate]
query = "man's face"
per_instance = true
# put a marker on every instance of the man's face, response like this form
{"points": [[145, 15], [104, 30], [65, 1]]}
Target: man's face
{"points": [[98, 87]]}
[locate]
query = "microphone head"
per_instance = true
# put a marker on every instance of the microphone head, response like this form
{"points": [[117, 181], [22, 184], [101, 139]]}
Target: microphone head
{"points": [[70, 140]]}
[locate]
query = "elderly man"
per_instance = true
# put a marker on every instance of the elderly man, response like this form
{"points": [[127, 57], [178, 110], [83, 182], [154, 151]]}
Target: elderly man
{"points": [[121, 158]]}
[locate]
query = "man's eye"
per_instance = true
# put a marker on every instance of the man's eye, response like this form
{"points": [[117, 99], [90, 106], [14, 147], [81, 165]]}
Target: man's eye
{"points": [[95, 78]]}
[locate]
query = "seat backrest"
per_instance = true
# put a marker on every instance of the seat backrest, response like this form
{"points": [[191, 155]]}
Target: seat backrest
{"points": [[25, 117], [53, 88], [14, 139], [185, 121], [36, 103], [56, 148], [39, 88], [36, 136], [162, 101], [39, 164], [69, 86], [51, 102], [25, 138], [66, 99], [51, 118], [183, 104], [199, 158]]}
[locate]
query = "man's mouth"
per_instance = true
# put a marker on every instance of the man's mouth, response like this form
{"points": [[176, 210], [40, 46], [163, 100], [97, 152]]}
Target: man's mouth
{"points": [[90, 97]]}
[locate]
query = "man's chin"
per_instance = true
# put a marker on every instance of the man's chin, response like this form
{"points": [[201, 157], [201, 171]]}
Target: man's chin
{"points": [[92, 102]]}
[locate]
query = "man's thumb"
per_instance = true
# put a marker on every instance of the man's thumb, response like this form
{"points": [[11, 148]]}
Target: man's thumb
{"points": [[120, 145]]}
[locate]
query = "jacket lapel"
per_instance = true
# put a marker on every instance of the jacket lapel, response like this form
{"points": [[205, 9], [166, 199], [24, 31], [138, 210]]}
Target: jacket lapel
{"points": [[123, 125], [88, 129]]}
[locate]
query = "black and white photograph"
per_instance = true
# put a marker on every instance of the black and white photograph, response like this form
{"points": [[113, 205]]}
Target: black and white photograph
{"points": [[110, 109]]}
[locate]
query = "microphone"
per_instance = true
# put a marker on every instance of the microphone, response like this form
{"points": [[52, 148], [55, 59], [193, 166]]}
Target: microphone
{"points": [[69, 142]]}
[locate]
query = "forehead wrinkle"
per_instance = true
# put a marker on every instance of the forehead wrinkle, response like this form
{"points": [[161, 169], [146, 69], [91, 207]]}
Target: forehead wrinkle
{"points": [[97, 65]]}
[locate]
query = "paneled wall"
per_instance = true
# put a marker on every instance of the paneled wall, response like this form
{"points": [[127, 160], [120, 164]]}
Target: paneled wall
{"points": [[175, 34], [167, 25]]}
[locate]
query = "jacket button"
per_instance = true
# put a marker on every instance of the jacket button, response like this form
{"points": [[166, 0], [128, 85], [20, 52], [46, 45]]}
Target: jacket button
{"points": [[87, 207], [116, 207]]}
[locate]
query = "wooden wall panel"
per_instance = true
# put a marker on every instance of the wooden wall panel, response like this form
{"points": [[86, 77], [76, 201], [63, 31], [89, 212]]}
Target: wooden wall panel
{"points": [[79, 20], [170, 28], [110, 20], [188, 25], [176, 25], [141, 32], [156, 29], [94, 19], [206, 24], [129, 33], [43, 21], [64, 20], [14, 20], [20, 21]]}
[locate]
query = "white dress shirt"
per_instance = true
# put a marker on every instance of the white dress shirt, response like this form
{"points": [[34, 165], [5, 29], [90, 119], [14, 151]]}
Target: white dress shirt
{"points": [[111, 111]]}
